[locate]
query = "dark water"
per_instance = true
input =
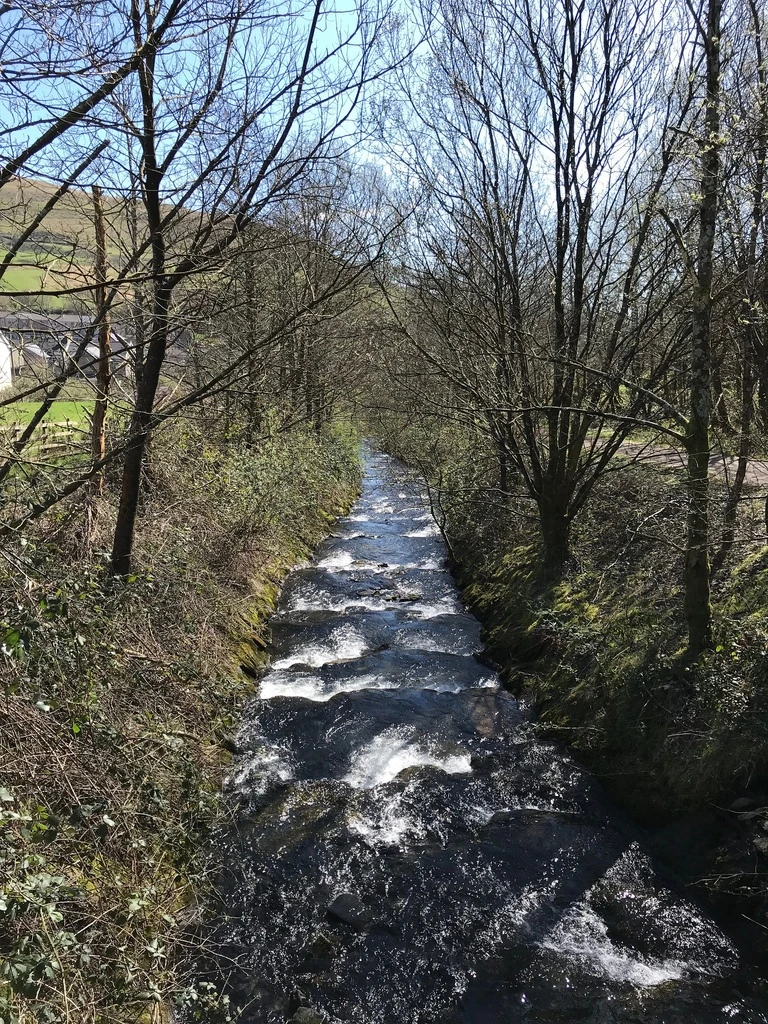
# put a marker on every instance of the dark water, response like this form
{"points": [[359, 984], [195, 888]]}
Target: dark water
{"points": [[483, 876]]}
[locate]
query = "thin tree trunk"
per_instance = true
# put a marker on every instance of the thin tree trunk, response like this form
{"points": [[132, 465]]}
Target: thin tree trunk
{"points": [[139, 302], [103, 373], [503, 472], [745, 438], [720, 416], [141, 422], [698, 608], [253, 426]]}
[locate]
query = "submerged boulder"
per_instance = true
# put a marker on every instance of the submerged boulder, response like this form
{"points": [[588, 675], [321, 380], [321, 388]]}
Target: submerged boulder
{"points": [[350, 910], [306, 1015]]}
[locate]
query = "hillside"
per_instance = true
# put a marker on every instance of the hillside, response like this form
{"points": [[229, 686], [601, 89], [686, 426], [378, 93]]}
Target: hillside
{"points": [[59, 253]]}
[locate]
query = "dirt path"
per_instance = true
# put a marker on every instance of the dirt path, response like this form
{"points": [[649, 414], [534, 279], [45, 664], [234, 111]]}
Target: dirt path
{"points": [[721, 466]]}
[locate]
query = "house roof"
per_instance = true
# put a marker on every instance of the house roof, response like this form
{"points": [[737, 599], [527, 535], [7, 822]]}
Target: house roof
{"points": [[53, 324], [43, 321]]}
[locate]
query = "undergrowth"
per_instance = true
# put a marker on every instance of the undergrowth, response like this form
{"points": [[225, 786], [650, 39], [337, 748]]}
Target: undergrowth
{"points": [[600, 653], [117, 703]]}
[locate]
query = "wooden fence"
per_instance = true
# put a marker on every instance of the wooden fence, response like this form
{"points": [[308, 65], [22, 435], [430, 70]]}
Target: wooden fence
{"points": [[51, 438]]}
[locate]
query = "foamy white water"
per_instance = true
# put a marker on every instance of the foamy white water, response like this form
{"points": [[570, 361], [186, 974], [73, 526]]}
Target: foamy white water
{"points": [[254, 772], [388, 825], [386, 568], [447, 606], [310, 687], [424, 531], [394, 750], [345, 644], [337, 560], [583, 936], [341, 604]]}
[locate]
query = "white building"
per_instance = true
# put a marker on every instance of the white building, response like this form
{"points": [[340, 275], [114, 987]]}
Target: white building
{"points": [[6, 363]]}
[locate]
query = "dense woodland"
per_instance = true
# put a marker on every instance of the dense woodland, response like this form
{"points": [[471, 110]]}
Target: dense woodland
{"points": [[522, 247]]}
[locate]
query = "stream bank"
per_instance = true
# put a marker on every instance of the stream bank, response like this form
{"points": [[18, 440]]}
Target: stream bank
{"points": [[597, 658], [117, 711]]}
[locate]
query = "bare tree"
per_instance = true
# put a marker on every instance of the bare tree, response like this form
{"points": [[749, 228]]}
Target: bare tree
{"points": [[280, 267], [542, 282], [103, 371], [698, 610], [743, 254], [216, 116], [270, 96]]}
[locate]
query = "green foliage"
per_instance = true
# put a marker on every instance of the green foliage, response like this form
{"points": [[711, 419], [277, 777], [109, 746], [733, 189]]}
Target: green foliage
{"points": [[600, 653]]}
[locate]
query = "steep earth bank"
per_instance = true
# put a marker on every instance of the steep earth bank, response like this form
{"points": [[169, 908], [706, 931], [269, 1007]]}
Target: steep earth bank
{"points": [[117, 712]]}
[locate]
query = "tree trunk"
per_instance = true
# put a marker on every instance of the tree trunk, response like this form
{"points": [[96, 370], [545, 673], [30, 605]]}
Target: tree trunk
{"points": [[141, 422], [157, 342], [503, 472], [698, 609], [253, 425], [139, 308], [720, 416], [98, 435], [762, 392], [745, 440], [555, 534]]}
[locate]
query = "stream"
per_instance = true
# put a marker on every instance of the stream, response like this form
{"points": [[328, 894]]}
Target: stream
{"points": [[407, 851]]}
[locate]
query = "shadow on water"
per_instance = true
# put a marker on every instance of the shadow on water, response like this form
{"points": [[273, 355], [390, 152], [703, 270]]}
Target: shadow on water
{"points": [[406, 851]]}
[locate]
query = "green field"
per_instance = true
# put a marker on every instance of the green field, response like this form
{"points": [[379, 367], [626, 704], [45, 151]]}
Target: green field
{"points": [[65, 411], [64, 242], [34, 272]]}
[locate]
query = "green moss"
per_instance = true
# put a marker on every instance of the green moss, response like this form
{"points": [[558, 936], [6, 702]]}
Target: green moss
{"points": [[599, 652], [745, 595]]}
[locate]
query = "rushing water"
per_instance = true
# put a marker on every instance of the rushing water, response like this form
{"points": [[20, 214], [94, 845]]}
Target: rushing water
{"points": [[407, 851]]}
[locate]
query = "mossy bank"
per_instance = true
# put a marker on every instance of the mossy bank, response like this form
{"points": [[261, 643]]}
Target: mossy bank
{"points": [[119, 700]]}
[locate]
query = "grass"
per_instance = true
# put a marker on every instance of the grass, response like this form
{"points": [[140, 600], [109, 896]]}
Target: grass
{"points": [[19, 278], [64, 242], [65, 411], [39, 270]]}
